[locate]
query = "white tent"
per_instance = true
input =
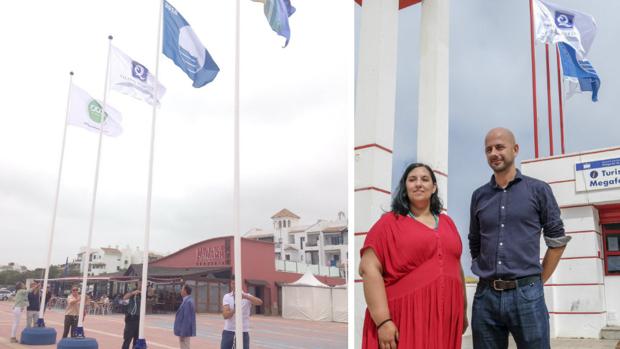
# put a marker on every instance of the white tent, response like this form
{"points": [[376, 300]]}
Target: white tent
{"points": [[307, 299], [339, 304]]}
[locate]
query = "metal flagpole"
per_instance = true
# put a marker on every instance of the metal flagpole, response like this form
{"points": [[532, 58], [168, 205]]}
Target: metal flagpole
{"points": [[236, 198], [141, 344], [549, 114], [533, 54], [86, 256], [560, 101], [41, 322]]}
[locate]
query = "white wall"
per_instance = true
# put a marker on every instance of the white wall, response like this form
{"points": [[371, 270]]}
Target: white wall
{"points": [[612, 299]]}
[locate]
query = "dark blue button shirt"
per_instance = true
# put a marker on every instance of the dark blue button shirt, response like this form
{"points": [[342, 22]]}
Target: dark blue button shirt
{"points": [[505, 226]]}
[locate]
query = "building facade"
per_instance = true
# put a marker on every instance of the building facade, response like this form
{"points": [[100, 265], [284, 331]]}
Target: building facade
{"points": [[323, 243], [209, 265], [582, 294], [108, 260]]}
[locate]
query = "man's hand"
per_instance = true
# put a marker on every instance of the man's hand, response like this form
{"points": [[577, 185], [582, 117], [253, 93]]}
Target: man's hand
{"points": [[388, 336]]}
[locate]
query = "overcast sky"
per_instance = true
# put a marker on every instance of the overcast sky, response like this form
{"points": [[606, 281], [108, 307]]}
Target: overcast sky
{"points": [[294, 114], [490, 85]]}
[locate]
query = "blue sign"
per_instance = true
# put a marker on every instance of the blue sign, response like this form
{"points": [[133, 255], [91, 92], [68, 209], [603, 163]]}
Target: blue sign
{"points": [[596, 175]]}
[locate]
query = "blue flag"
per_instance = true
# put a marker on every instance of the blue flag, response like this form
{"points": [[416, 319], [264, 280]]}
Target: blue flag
{"points": [[579, 73], [184, 48], [277, 13]]}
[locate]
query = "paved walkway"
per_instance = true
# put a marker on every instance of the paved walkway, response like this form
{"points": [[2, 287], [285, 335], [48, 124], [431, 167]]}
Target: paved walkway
{"points": [[562, 343], [266, 332]]}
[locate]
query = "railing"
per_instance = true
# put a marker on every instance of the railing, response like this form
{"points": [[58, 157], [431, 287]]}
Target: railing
{"points": [[334, 241], [312, 243], [301, 268]]}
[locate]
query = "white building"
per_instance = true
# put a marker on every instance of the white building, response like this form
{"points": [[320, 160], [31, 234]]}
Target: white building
{"points": [[111, 259], [322, 243], [583, 295]]}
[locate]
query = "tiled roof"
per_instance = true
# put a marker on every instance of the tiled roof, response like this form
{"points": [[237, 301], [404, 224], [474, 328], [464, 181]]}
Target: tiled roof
{"points": [[108, 250], [284, 213]]}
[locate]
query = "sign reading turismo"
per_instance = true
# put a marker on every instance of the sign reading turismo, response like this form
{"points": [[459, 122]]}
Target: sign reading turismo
{"points": [[596, 175]]}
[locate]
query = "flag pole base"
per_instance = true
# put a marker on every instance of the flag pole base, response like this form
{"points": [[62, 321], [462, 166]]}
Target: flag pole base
{"points": [[78, 343], [38, 336], [140, 344]]}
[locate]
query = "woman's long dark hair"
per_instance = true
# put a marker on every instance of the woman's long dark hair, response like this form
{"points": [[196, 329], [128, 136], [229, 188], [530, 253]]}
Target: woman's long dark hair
{"points": [[400, 201]]}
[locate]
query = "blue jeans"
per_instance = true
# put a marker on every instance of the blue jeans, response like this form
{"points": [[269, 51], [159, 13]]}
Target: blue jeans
{"points": [[521, 311], [228, 340]]}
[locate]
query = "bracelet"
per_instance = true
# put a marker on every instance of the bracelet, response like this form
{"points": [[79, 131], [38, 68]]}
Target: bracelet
{"points": [[383, 323]]}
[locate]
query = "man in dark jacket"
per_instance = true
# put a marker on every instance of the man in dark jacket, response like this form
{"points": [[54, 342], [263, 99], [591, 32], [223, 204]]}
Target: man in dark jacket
{"points": [[34, 304], [185, 319], [132, 317]]}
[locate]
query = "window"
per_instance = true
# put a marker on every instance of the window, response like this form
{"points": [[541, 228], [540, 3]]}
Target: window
{"points": [[611, 242], [291, 239], [301, 243]]}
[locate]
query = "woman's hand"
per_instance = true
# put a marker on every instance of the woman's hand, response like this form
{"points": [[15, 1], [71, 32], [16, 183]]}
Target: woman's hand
{"points": [[465, 322], [388, 336]]}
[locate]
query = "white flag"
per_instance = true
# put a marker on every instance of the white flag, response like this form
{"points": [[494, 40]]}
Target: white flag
{"points": [[553, 24], [132, 78], [85, 112]]}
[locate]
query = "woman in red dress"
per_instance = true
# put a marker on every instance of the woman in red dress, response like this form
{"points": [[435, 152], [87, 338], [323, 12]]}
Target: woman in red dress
{"points": [[411, 269]]}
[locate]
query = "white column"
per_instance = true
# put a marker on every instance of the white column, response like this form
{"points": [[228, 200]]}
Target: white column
{"points": [[374, 124], [434, 96]]}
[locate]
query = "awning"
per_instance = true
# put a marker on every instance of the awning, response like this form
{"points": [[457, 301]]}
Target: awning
{"points": [[257, 282]]}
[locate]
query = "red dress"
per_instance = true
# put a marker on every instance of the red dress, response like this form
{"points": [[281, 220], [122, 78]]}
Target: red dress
{"points": [[422, 277]]}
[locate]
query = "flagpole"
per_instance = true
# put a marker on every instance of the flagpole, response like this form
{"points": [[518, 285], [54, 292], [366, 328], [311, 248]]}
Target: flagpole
{"points": [[86, 256], [50, 241], [560, 101], [141, 344], [236, 198], [533, 55], [549, 114]]}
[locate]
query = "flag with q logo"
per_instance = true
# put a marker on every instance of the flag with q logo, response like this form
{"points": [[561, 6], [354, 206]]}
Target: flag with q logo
{"points": [[553, 24], [132, 78], [184, 48]]}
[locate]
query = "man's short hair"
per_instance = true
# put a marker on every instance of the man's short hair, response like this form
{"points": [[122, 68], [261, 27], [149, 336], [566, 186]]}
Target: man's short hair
{"points": [[188, 289]]}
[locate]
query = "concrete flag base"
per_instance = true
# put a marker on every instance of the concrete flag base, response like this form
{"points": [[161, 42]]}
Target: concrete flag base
{"points": [[38, 336], [78, 343]]}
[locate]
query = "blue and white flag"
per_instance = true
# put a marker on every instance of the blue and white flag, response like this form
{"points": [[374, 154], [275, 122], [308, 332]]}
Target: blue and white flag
{"points": [[277, 13], [184, 48], [579, 74], [553, 24]]}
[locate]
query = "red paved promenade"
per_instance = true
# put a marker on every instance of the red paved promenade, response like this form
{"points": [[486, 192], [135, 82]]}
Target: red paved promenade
{"points": [[266, 332]]}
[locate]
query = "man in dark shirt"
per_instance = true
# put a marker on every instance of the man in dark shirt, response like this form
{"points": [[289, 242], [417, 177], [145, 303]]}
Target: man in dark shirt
{"points": [[34, 304], [506, 218], [132, 317]]}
